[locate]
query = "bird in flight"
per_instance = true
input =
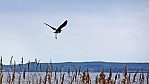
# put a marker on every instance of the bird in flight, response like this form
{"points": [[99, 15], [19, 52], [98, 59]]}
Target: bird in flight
{"points": [[58, 30]]}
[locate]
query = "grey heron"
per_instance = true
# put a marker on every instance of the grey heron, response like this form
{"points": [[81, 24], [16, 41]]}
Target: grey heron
{"points": [[57, 30]]}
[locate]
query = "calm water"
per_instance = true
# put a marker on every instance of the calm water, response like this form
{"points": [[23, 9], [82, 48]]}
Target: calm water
{"points": [[34, 76]]}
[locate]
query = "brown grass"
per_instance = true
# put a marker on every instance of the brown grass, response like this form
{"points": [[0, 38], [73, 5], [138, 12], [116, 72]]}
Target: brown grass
{"points": [[76, 77]]}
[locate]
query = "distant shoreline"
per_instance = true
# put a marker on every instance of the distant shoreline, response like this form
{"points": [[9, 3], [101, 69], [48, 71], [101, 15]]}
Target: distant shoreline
{"points": [[95, 66]]}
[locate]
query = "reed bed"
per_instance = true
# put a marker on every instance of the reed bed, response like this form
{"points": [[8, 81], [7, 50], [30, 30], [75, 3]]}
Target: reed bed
{"points": [[69, 77]]}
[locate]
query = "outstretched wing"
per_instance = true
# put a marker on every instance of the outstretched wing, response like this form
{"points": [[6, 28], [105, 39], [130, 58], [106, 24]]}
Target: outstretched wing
{"points": [[62, 25], [50, 26]]}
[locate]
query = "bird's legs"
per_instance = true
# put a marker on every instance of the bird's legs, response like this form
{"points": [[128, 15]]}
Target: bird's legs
{"points": [[55, 35]]}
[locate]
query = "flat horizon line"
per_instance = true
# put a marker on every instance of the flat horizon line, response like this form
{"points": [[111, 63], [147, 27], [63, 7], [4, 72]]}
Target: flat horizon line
{"points": [[81, 62]]}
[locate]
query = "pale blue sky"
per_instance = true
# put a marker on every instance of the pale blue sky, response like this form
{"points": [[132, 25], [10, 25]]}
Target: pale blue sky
{"points": [[97, 30]]}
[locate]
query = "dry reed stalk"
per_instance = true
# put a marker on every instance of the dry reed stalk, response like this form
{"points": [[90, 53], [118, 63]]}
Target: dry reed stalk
{"points": [[37, 63], [123, 81], [13, 74], [96, 79], [22, 62], [51, 67], [13, 77], [33, 79], [76, 72], [140, 77], [56, 81], [143, 77], [8, 80], [45, 79], [134, 77], [49, 78], [55, 75], [83, 77], [47, 69], [14, 67], [24, 73], [60, 73], [40, 80], [79, 71], [62, 78], [70, 82], [75, 78], [69, 72], [119, 78], [88, 81], [1, 68], [1, 78], [19, 78], [115, 78], [51, 63], [128, 79], [125, 75], [28, 66], [21, 68], [11, 60], [110, 74], [125, 72], [147, 76], [75, 75], [1, 65], [102, 77], [72, 78], [108, 80]]}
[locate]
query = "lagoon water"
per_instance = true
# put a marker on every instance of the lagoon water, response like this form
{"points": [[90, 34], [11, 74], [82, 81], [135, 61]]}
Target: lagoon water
{"points": [[35, 76]]}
